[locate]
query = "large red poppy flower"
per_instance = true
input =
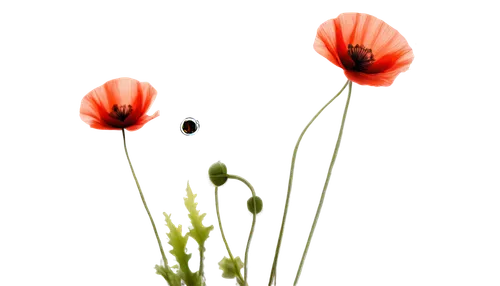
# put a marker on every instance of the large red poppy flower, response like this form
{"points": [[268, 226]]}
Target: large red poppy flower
{"points": [[119, 103], [368, 50]]}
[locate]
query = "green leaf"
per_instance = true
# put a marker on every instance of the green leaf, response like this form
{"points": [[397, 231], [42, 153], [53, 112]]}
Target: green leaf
{"points": [[167, 273], [178, 243], [199, 232], [230, 268]]}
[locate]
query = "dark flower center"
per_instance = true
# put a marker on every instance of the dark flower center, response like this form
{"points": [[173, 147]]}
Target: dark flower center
{"points": [[361, 56], [121, 112]]}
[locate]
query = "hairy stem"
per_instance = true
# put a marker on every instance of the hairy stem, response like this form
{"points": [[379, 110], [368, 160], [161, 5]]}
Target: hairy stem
{"points": [[273, 269], [251, 230], [332, 162], [222, 231]]}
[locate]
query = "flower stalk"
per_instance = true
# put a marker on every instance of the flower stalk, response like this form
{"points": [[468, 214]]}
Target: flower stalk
{"points": [[254, 211], [332, 162], [222, 232], [139, 188], [277, 248]]}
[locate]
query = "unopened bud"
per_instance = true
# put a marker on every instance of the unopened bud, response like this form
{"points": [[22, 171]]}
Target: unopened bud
{"points": [[217, 173], [258, 205]]}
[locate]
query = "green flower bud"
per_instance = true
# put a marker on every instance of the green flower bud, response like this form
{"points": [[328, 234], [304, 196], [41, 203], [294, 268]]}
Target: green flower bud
{"points": [[216, 173], [250, 207]]}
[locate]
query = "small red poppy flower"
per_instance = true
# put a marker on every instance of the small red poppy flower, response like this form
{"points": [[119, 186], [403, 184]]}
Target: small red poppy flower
{"points": [[117, 104], [368, 50]]}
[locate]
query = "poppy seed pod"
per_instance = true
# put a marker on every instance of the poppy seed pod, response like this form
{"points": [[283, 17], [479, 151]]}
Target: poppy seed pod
{"points": [[258, 207], [216, 173]]}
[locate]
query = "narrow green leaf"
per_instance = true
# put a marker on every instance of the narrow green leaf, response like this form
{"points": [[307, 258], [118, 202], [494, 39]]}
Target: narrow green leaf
{"points": [[199, 232], [171, 274], [178, 243]]}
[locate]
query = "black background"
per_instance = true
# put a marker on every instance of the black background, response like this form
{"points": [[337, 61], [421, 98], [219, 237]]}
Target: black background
{"points": [[244, 70]]}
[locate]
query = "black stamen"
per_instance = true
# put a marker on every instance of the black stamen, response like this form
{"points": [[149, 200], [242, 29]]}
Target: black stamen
{"points": [[121, 112], [361, 56]]}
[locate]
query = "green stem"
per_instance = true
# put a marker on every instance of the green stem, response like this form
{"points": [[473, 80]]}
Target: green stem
{"points": [[245, 182], [202, 257], [290, 180], [246, 253], [222, 231], [139, 188], [170, 281], [332, 162], [250, 235]]}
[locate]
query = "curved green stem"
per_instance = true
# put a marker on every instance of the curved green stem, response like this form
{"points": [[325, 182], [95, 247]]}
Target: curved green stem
{"points": [[290, 180], [222, 231], [139, 188], [245, 182], [332, 162], [250, 235], [149, 215]]}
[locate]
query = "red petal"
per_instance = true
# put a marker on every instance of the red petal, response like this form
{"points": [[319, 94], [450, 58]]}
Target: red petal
{"points": [[347, 62]]}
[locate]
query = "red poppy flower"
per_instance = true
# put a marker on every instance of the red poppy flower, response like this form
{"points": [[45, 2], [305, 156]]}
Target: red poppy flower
{"points": [[119, 103], [368, 50]]}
